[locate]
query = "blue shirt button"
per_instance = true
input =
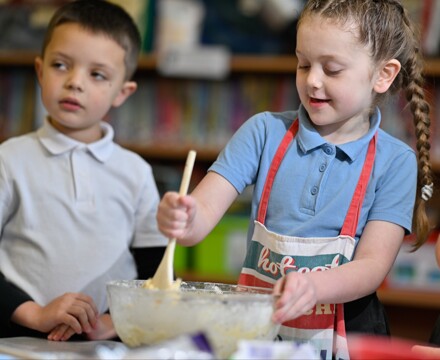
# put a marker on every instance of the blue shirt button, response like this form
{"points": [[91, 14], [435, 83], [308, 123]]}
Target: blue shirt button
{"points": [[328, 150], [314, 190], [322, 167]]}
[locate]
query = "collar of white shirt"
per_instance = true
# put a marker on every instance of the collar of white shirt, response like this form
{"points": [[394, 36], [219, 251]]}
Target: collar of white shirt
{"points": [[57, 143]]}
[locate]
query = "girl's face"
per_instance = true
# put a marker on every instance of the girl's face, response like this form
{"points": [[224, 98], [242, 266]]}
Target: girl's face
{"points": [[335, 79], [81, 78]]}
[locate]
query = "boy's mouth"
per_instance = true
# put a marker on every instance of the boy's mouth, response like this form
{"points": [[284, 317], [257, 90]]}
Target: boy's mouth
{"points": [[70, 104]]}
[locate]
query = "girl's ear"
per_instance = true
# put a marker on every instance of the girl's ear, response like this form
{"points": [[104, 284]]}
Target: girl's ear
{"points": [[386, 76], [127, 89]]}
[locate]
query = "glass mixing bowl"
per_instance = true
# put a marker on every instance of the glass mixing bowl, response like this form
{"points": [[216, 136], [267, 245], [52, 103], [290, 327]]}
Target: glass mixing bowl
{"points": [[225, 313]]}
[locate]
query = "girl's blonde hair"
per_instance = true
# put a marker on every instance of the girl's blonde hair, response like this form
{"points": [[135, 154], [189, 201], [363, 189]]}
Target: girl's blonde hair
{"points": [[385, 28]]}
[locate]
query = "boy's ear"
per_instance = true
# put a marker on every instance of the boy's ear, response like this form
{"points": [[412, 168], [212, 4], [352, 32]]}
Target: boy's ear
{"points": [[386, 76], [38, 64], [128, 88]]}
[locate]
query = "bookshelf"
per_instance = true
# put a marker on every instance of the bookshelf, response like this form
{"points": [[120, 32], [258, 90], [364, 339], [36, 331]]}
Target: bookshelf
{"points": [[399, 303], [241, 65]]}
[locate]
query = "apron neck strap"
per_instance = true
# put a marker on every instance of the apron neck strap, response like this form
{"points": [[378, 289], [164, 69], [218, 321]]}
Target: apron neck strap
{"points": [[352, 217], [276, 161]]}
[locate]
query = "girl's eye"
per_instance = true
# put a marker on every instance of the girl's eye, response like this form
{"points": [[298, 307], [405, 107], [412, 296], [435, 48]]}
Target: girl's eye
{"points": [[303, 67], [333, 70]]}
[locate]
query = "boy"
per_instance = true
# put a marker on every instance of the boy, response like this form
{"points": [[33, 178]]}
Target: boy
{"points": [[76, 209]]}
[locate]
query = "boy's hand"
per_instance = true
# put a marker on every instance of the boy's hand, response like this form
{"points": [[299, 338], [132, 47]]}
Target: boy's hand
{"points": [[103, 330], [61, 332], [76, 310]]}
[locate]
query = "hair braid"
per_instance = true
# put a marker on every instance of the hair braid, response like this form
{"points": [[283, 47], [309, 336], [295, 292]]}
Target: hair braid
{"points": [[413, 82]]}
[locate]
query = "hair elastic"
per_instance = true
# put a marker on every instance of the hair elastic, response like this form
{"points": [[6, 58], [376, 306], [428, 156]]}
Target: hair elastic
{"points": [[427, 191]]}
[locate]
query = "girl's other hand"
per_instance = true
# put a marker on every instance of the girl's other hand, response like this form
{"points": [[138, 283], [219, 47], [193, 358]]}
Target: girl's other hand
{"points": [[297, 296]]}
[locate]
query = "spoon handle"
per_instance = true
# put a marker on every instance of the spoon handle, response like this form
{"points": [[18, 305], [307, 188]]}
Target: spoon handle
{"points": [[187, 171], [163, 278]]}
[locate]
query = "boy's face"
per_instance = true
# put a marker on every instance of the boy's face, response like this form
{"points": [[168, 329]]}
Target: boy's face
{"points": [[82, 76]]}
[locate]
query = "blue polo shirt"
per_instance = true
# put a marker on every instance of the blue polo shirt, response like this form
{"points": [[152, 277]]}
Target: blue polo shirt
{"points": [[316, 179]]}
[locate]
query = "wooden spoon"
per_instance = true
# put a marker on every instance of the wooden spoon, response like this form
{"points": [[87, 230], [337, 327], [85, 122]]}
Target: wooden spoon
{"points": [[163, 279]]}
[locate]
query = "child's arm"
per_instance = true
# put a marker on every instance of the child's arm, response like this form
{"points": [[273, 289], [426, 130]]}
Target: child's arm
{"points": [[190, 218], [73, 309], [375, 254], [12, 297]]}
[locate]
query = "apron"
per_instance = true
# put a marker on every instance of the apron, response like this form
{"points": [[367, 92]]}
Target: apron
{"points": [[271, 256]]}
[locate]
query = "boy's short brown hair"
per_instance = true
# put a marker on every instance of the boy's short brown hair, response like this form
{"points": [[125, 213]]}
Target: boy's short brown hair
{"points": [[102, 17]]}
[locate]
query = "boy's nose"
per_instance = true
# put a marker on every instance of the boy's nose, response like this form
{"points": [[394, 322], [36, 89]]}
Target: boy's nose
{"points": [[74, 81]]}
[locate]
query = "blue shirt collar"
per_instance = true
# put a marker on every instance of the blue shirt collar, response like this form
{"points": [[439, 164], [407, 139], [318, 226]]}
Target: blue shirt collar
{"points": [[57, 143], [309, 138]]}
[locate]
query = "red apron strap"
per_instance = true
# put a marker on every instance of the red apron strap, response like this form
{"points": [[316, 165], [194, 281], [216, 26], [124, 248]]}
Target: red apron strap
{"points": [[352, 217], [276, 161]]}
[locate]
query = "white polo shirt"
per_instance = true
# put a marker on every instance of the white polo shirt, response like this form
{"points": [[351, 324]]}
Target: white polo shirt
{"points": [[70, 211]]}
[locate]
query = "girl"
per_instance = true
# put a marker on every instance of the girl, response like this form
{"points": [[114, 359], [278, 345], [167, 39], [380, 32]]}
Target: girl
{"points": [[333, 193]]}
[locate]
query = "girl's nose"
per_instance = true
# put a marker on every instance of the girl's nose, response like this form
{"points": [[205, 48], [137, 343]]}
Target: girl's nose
{"points": [[314, 79]]}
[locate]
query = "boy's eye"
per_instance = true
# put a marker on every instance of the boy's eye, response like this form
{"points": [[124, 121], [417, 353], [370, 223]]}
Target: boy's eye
{"points": [[59, 65], [98, 75]]}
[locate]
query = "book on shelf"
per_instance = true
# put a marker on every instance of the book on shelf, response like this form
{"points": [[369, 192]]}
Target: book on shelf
{"points": [[202, 113]]}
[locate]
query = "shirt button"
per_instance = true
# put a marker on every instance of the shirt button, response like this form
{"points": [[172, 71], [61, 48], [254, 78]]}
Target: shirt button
{"points": [[328, 150], [322, 167], [314, 190]]}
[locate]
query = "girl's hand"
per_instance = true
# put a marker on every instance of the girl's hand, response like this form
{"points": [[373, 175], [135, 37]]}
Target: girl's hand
{"points": [[175, 214], [297, 296]]}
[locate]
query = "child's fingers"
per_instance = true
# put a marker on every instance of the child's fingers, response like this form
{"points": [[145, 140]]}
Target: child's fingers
{"points": [[85, 311], [62, 332]]}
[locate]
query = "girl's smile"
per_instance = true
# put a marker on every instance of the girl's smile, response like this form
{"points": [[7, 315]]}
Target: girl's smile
{"points": [[318, 103]]}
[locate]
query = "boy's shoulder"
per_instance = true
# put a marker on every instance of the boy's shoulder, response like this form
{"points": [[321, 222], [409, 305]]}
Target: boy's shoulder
{"points": [[128, 154], [128, 159], [19, 144]]}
